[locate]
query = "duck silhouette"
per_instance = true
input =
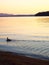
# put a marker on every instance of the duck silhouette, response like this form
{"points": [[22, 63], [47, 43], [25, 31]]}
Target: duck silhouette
{"points": [[8, 39]]}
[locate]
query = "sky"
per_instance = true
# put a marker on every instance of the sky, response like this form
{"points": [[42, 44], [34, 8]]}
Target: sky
{"points": [[23, 6]]}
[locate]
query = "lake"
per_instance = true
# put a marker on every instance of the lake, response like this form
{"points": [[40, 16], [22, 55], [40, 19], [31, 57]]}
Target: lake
{"points": [[31, 35]]}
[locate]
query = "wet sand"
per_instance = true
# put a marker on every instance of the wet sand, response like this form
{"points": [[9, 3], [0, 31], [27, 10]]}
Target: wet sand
{"points": [[8, 58]]}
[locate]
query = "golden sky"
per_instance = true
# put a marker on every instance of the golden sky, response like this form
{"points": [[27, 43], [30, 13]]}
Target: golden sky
{"points": [[23, 6]]}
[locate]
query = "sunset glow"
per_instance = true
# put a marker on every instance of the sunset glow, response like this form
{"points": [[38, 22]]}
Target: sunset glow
{"points": [[23, 6]]}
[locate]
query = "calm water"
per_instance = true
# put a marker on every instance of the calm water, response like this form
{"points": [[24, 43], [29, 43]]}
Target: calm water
{"points": [[31, 35]]}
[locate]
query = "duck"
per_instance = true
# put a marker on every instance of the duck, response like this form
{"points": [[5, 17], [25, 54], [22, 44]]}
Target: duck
{"points": [[8, 39]]}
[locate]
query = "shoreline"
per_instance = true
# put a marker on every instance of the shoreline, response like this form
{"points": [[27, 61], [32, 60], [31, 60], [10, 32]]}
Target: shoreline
{"points": [[10, 58]]}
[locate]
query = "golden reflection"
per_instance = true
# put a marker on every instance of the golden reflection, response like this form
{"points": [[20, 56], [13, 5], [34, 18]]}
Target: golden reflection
{"points": [[27, 26]]}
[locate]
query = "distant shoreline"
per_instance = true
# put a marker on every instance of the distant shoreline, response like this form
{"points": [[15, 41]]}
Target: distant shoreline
{"points": [[19, 16], [25, 15]]}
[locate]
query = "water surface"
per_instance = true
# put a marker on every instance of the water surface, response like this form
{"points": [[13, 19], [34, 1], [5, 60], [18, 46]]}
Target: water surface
{"points": [[31, 35]]}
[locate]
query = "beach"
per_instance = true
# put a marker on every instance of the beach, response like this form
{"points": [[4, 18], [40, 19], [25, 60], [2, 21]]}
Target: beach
{"points": [[10, 58]]}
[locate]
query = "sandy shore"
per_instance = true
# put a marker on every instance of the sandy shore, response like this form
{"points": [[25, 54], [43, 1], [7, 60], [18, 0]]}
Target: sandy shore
{"points": [[7, 58]]}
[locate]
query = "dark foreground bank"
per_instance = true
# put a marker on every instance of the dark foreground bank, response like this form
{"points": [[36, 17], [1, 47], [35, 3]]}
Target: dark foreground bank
{"points": [[7, 58]]}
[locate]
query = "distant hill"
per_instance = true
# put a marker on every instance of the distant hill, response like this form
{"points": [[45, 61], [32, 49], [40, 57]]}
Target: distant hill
{"points": [[25, 15], [5, 15], [12, 15], [42, 13]]}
